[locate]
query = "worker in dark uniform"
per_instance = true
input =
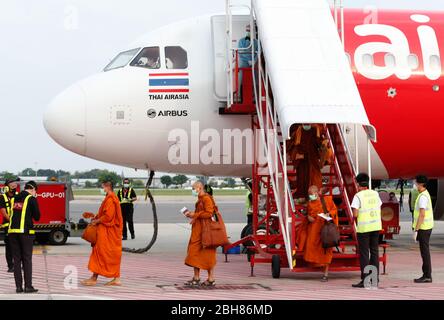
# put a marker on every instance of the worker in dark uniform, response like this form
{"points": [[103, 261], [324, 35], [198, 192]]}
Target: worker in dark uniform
{"points": [[6, 203], [249, 203], [127, 196], [22, 235]]}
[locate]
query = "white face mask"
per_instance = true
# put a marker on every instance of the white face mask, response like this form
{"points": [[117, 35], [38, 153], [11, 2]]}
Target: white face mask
{"points": [[312, 197], [194, 192], [126, 185], [306, 127]]}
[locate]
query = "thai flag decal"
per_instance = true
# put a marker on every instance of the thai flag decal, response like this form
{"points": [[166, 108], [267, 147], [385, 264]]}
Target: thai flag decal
{"points": [[169, 82]]}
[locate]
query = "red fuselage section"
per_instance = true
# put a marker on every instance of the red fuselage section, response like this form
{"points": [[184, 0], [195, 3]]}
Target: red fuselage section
{"points": [[396, 57]]}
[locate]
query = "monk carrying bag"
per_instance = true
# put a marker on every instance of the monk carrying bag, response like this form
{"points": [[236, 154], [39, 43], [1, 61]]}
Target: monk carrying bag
{"points": [[330, 235], [214, 233]]}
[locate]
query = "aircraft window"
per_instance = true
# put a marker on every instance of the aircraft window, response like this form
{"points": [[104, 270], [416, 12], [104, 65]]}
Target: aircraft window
{"points": [[176, 58], [389, 60], [435, 62], [413, 61], [368, 60], [121, 59], [148, 58]]}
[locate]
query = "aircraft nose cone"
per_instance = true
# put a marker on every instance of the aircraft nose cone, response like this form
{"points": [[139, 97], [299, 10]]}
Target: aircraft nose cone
{"points": [[65, 119]]}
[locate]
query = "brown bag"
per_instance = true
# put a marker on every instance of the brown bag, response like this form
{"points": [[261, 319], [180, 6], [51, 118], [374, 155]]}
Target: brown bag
{"points": [[214, 233], [330, 235], [90, 234]]}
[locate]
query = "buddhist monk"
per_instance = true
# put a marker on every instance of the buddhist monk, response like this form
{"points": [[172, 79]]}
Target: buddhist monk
{"points": [[314, 253], [304, 149], [198, 257], [107, 252]]}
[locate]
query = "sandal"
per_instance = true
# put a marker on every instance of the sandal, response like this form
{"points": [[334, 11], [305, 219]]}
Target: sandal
{"points": [[324, 279], [192, 283], [208, 283], [89, 282]]}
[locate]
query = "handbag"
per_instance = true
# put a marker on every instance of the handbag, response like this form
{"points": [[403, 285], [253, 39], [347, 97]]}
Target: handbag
{"points": [[214, 233], [330, 235], [90, 234]]}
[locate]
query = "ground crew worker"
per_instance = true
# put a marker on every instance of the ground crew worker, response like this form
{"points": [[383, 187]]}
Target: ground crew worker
{"points": [[422, 225], [127, 196], [245, 56], [21, 235], [413, 195], [366, 208], [6, 204], [249, 203]]}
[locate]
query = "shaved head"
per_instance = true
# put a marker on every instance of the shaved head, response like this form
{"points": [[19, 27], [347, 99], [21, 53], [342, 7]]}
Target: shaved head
{"points": [[313, 190], [198, 184]]}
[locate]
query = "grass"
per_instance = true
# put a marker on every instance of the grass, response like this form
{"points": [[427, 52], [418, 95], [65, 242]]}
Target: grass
{"points": [[164, 192]]}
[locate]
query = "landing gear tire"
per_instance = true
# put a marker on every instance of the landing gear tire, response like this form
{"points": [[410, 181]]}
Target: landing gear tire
{"points": [[276, 266], [58, 237], [249, 255]]}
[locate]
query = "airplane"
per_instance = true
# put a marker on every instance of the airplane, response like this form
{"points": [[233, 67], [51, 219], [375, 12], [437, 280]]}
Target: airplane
{"points": [[163, 93]]}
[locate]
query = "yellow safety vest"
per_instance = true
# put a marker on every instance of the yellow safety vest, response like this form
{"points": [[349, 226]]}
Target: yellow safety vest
{"points": [[22, 219], [428, 222], [9, 205], [128, 198], [369, 215]]}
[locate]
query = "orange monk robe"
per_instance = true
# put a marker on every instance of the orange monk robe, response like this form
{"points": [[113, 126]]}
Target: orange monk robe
{"points": [[107, 252], [314, 252], [308, 169], [199, 257]]}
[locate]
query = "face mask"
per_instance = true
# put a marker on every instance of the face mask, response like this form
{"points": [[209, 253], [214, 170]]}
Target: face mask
{"points": [[312, 197], [415, 187], [306, 127], [126, 185], [248, 35], [194, 192], [102, 192]]}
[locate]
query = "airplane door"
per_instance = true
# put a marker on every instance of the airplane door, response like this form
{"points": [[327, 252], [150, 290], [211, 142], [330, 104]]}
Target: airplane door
{"points": [[218, 30]]}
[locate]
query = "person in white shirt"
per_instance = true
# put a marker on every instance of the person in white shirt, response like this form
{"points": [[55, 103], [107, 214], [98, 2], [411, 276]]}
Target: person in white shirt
{"points": [[422, 227], [366, 208]]}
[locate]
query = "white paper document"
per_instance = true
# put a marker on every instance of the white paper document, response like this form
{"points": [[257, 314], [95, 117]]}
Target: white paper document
{"points": [[325, 216]]}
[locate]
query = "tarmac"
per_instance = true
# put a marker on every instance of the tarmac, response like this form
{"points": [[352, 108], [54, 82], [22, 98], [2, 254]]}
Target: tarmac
{"points": [[160, 273]]}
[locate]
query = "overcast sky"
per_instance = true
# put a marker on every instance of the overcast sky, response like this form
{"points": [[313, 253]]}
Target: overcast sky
{"points": [[47, 45]]}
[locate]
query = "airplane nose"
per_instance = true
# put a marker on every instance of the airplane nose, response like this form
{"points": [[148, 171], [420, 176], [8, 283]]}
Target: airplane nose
{"points": [[65, 119]]}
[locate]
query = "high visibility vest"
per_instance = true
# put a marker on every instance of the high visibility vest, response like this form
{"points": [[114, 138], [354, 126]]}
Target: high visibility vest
{"points": [[9, 205], [369, 215], [22, 218], [248, 205], [428, 222], [127, 199]]}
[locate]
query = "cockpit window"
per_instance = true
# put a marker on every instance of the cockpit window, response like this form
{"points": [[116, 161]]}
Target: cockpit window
{"points": [[148, 58], [122, 59], [176, 58]]}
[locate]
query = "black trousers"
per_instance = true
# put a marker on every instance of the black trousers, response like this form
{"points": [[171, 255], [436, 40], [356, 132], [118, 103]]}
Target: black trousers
{"points": [[8, 252], [424, 246], [369, 251], [21, 246], [249, 218], [127, 215]]}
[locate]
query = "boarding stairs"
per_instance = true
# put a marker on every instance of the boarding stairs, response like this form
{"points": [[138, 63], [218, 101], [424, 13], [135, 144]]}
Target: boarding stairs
{"points": [[276, 103]]}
